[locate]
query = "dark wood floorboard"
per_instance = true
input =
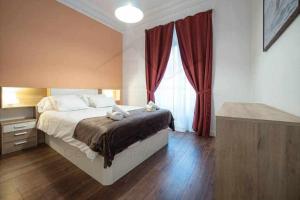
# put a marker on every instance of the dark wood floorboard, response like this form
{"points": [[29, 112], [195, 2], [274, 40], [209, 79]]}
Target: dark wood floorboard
{"points": [[182, 170]]}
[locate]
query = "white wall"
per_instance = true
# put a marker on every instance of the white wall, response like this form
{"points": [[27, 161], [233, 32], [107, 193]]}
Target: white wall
{"points": [[276, 73], [231, 60]]}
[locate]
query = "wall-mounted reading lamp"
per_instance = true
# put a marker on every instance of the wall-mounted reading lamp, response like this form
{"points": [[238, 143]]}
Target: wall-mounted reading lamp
{"points": [[115, 94], [14, 97]]}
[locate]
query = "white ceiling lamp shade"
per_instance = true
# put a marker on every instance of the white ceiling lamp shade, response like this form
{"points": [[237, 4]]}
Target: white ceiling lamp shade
{"points": [[129, 14]]}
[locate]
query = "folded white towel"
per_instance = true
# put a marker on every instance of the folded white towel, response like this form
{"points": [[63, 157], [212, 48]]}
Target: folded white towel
{"points": [[151, 106], [116, 108], [117, 116]]}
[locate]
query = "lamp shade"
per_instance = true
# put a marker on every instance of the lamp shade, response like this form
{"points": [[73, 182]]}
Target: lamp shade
{"points": [[129, 14]]}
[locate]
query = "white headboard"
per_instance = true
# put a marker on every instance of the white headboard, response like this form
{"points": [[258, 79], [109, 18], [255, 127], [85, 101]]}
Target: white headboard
{"points": [[62, 91]]}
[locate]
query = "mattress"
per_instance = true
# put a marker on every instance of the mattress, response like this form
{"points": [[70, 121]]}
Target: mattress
{"points": [[62, 125]]}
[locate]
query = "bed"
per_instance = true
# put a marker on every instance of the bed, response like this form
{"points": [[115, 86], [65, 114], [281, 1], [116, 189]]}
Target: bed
{"points": [[60, 127]]}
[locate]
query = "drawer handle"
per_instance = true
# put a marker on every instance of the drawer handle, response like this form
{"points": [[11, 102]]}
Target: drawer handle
{"points": [[19, 143], [18, 127], [22, 133]]}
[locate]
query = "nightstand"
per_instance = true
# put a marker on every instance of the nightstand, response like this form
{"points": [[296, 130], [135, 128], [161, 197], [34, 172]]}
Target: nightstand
{"points": [[17, 135]]}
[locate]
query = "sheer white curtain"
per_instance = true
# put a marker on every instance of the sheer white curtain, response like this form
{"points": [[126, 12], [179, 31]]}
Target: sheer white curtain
{"points": [[175, 93]]}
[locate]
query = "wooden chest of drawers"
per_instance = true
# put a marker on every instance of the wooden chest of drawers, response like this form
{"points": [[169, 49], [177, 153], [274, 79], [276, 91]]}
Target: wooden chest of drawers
{"points": [[257, 153], [17, 135]]}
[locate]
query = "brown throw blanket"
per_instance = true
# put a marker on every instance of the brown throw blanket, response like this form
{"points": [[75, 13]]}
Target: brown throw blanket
{"points": [[108, 137]]}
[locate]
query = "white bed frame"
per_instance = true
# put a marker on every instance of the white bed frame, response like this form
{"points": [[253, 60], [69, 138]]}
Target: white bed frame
{"points": [[123, 162]]}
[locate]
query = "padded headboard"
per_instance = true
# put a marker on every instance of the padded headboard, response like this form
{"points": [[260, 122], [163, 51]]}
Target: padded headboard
{"points": [[61, 91]]}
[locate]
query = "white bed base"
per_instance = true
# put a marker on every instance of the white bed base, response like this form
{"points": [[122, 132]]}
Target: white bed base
{"points": [[122, 163]]}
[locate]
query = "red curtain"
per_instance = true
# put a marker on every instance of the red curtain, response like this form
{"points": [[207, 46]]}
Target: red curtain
{"points": [[195, 43], [158, 48]]}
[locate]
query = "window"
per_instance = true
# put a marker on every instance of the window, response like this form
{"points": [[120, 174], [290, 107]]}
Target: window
{"points": [[175, 92]]}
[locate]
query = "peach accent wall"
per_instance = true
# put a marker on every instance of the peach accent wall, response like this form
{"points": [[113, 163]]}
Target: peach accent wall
{"points": [[46, 44]]}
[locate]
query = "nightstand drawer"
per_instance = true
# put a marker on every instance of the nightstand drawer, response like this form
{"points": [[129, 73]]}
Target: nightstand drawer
{"points": [[18, 126], [9, 147], [18, 135]]}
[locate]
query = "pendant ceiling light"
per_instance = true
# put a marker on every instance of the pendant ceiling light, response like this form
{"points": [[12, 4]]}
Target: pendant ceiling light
{"points": [[129, 14]]}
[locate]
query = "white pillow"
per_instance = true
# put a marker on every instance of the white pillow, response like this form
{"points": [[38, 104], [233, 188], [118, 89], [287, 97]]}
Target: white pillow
{"points": [[101, 101], [85, 98], [69, 103], [46, 104]]}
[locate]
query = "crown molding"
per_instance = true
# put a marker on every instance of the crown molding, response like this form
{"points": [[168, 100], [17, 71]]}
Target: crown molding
{"points": [[172, 12], [97, 15], [163, 13]]}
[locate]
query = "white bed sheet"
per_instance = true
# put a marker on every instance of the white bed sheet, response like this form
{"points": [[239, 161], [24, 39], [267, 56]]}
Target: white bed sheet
{"points": [[62, 125]]}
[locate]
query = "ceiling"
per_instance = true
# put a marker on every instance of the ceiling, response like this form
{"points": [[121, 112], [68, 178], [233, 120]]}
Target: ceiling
{"points": [[103, 10]]}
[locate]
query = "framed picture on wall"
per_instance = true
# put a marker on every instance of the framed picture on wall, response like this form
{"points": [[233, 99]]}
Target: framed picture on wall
{"points": [[277, 16]]}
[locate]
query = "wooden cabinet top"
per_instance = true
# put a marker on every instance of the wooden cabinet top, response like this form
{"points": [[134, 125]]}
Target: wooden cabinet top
{"points": [[16, 121], [256, 111]]}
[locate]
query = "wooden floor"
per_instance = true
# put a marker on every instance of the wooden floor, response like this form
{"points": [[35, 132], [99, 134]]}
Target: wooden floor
{"points": [[182, 170]]}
